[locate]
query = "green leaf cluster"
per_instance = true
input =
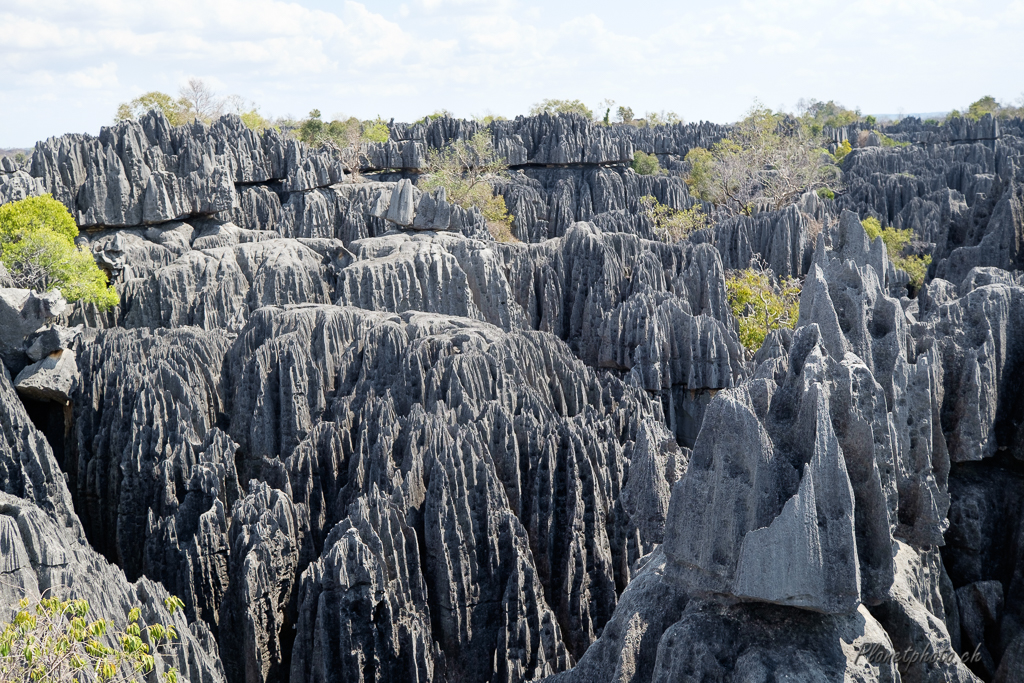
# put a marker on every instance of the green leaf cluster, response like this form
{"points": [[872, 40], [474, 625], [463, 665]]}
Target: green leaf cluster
{"points": [[896, 242], [53, 641], [989, 105], [37, 245], [760, 304], [673, 225], [561, 107], [888, 141], [842, 150], [646, 164], [468, 170], [662, 118]]}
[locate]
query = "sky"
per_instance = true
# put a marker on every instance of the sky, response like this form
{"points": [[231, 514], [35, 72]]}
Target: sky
{"points": [[65, 65]]}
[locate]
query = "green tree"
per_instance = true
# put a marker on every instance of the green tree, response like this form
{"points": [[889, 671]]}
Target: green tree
{"points": [[985, 105], [646, 164], [37, 245], [488, 119], [315, 132], [561, 107], [673, 225], [53, 641], [817, 115], [172, 109], [763, 163], [375, 131], [624, 114], [760, 304], [896, 242], [468, 170]]}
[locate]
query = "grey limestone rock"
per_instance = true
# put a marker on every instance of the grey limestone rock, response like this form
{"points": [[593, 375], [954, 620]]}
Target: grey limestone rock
{"points": [[269, 540], [402, 206], [22, 312], [52, 338], [54, 378]]}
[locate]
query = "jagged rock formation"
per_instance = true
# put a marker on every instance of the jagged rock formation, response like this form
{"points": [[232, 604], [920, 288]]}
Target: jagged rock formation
{"points": [[44, 550], [364, 441]]}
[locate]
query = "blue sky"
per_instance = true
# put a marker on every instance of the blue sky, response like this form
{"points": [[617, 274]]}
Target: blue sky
{"points": [[66, 64]]}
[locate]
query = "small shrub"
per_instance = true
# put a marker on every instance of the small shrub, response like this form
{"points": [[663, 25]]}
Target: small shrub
{"points": [[842, 150], [760, 304], [888, 141], [254, 121], [52, 641], [674, 225], [467, 170], [896, 242], [826, 193], [646, 164], [37, 245]]}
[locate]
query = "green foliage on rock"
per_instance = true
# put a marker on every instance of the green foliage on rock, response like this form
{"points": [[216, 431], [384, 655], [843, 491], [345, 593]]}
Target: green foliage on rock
{"points": [[561, 107], [646, 164], [842, 150], [467, 170], [896, 241], [760, 304], [54, 641], [662, 118], [37, 245], [673, 225], [888, 141]]}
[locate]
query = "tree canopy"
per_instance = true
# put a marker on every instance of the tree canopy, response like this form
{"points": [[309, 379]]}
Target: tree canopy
{"points": [[37, 245]]}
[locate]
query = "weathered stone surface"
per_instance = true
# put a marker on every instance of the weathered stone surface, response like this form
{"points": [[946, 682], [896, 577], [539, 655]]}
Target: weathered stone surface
{"points": [[49, 339], [364, 441], [22, 312], [53, 378]]}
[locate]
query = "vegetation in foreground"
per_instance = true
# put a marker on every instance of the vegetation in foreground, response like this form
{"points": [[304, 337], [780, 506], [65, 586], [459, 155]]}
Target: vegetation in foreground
{"points": [[37, 246], [52, 641]]}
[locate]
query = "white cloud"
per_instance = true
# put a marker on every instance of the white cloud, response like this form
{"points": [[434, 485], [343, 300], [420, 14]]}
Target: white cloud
{"points": [[404, 59]]}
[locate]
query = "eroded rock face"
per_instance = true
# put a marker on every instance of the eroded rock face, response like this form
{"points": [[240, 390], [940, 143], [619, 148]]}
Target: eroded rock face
{"points": [[45, 552], [364, 441]]}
